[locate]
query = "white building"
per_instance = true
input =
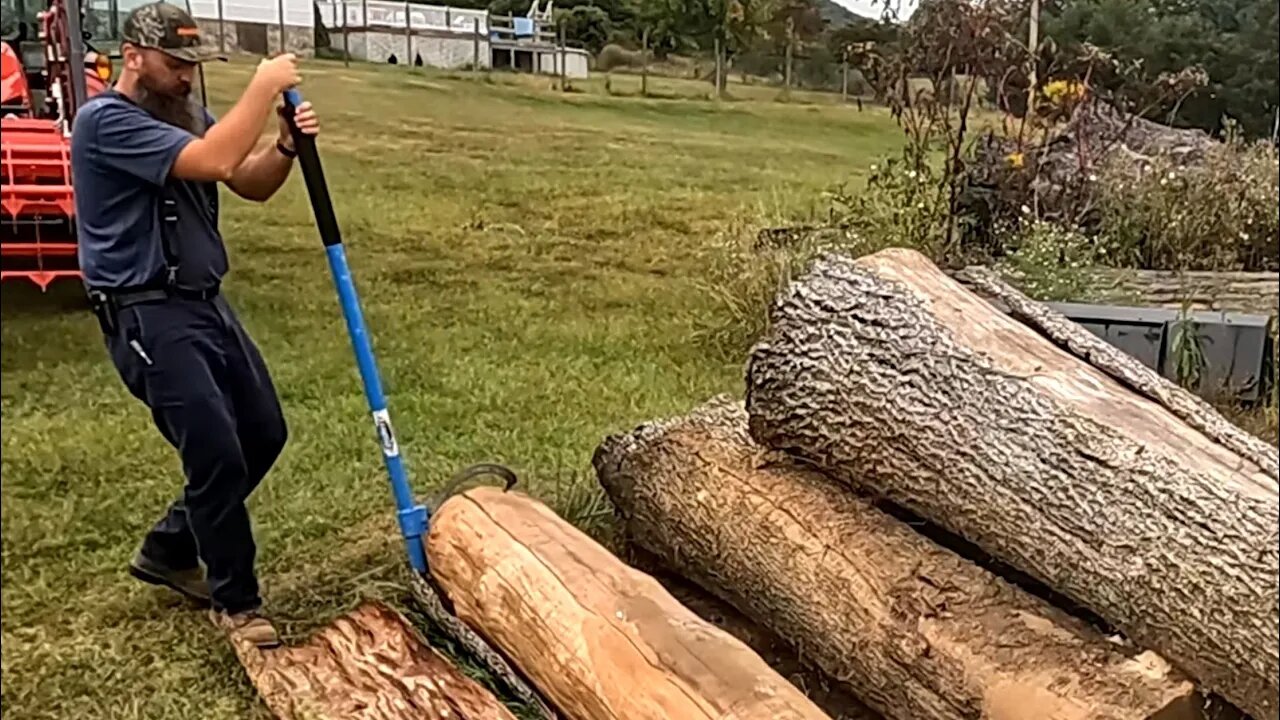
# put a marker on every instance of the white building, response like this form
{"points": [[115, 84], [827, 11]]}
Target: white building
{"points": [[256, 26], [445, 37]]}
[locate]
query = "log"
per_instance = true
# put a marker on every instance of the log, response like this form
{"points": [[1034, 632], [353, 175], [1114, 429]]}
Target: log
{"points": [[599, 639], [1125, 368], [916, 631], [369, 664], [894, 378], [834, 697]]}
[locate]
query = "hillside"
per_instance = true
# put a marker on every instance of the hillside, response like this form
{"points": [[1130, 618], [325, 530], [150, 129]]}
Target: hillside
{"points": [[837, 15]]}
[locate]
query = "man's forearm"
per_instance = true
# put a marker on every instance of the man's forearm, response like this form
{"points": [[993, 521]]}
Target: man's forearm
{"points": [[262, 173]]}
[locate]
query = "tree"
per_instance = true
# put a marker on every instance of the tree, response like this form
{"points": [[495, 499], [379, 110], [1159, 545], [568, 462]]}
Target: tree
{"points": [[1235, 42], [587, 26]]}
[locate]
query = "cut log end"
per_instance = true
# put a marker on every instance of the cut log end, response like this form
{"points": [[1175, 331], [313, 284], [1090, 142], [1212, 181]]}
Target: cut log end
{"points": [[916, 631], [370, 664], [600, 640]]}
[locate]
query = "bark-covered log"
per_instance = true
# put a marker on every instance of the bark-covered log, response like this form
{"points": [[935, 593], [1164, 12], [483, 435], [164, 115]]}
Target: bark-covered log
{"points": [[370, 664], [1123, 367], [916, 631], [599, 639], [836, 698], [893, 377]]}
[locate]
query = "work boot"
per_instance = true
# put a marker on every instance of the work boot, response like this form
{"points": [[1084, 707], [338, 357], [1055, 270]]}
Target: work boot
{"points": [[190, 583], [249, 625]]}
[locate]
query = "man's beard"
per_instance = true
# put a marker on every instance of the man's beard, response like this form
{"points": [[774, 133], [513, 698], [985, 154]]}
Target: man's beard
{"points": [[179, 110]]}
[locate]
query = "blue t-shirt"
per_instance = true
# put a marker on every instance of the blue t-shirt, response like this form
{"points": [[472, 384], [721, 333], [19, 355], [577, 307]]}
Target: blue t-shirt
{"points": [[121, 156]]}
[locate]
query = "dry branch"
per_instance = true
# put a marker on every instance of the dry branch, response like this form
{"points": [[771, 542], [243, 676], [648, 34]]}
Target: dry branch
{"points": [[916, 631], [893, 377]]}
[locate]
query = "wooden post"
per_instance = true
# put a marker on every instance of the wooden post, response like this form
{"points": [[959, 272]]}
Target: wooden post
{"points": [[408, 36], [564, 55], [364, 27], [718, 68], [346, 46], [475, 44], [790, 39], [222, 32], [644, 63], [844, 76], [1033, 41]]}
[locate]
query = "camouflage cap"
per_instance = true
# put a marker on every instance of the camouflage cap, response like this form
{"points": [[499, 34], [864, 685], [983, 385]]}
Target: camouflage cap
{"points": [[170, 29]]}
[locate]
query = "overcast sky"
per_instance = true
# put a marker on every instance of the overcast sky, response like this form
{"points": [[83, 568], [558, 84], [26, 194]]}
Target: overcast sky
{"points": [[868, 9]]}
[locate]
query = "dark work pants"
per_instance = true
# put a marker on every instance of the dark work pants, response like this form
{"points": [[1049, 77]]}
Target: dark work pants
{"points": [[212, 398]]}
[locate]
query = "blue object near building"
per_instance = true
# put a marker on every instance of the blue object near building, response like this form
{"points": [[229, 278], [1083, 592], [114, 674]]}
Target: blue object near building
{"points": [[1236, 347], [524, 27]]}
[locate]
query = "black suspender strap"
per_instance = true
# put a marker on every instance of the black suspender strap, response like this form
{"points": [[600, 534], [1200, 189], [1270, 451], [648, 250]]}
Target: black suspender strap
{"points": [[169, 235]]}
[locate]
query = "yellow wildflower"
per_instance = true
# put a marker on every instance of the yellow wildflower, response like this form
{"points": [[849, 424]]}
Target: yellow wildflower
{"points": [[1062, 92]]}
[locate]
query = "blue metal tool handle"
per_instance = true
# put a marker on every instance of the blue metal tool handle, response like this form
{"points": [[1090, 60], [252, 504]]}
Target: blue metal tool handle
{"points": [[413, 517]]}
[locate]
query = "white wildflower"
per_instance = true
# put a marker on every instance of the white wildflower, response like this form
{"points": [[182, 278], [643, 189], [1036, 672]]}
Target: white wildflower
{"points": [[1093, 178], [1026, 210], [911, 174]]}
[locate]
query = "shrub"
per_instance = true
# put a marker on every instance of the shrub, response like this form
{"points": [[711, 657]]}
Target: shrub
{"points": [[613, 56], [1219, 214], [905, 203], [1049, 262]]}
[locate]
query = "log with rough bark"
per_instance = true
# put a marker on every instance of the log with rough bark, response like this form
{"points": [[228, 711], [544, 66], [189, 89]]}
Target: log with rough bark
{"points": [[915, 630], [370, 664], [1125, 368], [599, 639], [895, 378]]}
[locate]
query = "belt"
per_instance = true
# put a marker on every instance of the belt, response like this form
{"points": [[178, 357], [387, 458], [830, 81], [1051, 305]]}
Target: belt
{"points": [[123, 298]]}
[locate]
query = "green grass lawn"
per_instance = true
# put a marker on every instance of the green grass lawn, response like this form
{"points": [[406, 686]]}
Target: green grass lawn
{"points": [[527, 262]]}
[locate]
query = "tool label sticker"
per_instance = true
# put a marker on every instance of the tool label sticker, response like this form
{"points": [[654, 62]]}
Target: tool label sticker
{"points": [[386, 435]]}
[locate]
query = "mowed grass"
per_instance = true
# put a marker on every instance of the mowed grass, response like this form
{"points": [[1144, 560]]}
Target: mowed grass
{"points": [[529, 264]]}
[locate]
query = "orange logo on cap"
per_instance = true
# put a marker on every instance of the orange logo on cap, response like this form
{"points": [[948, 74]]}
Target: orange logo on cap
{"points": [[189, 32]]}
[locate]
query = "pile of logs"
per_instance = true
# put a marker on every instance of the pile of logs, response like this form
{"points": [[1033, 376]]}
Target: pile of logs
{"points": [[948, 502], [961, 505]]}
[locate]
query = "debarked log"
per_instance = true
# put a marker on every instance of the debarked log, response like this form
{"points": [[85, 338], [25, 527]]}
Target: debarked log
{"points": [[369, 664], [599, 639], [915, 630], [894, 378]]}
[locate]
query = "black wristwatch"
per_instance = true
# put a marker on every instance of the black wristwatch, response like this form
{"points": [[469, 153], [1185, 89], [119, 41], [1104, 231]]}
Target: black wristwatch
{"points": [[285, 151]]}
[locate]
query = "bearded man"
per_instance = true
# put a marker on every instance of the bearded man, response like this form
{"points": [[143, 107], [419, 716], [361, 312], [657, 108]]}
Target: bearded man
{"points": [[146, 159]]}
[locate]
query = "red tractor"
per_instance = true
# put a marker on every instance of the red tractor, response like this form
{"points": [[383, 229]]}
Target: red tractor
{"points": [[48, 70]]}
